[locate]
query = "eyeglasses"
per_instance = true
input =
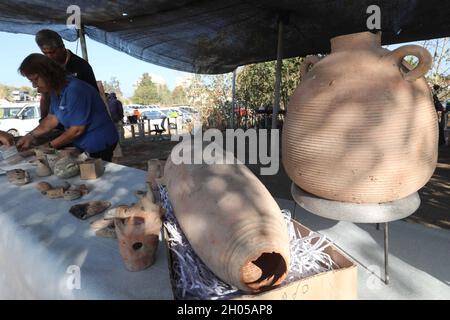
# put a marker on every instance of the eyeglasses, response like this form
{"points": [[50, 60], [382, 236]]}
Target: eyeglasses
{"points": [[34, 79]]}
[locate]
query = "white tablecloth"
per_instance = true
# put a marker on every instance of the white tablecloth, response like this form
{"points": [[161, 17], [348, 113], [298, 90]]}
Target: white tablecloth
{"points": [[43, 248]]}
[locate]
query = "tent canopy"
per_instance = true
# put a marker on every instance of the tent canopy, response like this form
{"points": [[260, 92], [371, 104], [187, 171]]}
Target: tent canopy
{"points": [[217, 36]]}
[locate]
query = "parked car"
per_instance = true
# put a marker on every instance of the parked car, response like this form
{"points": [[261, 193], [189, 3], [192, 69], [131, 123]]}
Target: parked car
{"points": [[19, 119], [187, 116], [156, 117]]}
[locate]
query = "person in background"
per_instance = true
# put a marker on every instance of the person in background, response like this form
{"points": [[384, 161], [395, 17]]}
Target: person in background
{"points": [[52, 45], [6, 139], [137, 114], [74, 104], [115, 108]]}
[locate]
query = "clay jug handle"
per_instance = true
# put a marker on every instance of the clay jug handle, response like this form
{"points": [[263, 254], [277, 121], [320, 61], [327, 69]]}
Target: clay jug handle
{"points": [[425, 60], [307, 62]]}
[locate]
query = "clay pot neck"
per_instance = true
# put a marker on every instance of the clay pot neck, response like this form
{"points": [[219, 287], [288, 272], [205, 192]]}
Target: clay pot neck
{"points": [[362, 40]]}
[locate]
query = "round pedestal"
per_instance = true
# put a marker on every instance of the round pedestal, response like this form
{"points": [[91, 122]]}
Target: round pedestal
{"points": [[353, 212]]}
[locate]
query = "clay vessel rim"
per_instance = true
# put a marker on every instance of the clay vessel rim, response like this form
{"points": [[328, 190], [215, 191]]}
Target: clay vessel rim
{"points": [[361, 40]]}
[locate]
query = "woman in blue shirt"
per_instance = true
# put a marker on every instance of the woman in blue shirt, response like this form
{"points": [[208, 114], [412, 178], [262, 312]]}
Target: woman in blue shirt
{"points": [[74, 104]]}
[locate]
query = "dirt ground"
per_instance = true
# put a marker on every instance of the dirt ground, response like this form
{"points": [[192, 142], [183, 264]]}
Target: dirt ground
{"points": [[434, 210]]}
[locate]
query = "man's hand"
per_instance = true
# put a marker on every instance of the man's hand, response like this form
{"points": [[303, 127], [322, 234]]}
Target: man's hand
{"points": [[6, 139], [24, 143]]}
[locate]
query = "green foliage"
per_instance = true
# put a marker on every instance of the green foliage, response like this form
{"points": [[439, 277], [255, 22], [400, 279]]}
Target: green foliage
{"points": [[5, 91], [256, 83], [212, 96], [113, 85], [146, 91], [164, 95], [179, 95]]}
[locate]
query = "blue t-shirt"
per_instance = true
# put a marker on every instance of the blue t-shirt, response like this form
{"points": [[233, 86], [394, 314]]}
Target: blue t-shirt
{"points": [[79, 104]]}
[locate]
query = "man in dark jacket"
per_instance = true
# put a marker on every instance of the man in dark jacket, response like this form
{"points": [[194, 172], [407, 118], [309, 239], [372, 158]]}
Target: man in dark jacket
{"points": [[115, 107], [52, 45]]}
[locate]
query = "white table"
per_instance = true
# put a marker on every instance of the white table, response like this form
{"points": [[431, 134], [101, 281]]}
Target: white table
{"points": [[43, 248]]}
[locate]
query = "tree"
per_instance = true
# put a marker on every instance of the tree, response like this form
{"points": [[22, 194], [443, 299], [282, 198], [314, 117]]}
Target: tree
{"points": [[179, 95], [164, 94], [439, 73], [113, 85], [212, 96], [256, 83], [146, 91], [5, 91]]}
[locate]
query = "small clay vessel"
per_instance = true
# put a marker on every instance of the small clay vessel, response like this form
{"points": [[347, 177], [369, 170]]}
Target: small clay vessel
{"points": [[43, 170]]}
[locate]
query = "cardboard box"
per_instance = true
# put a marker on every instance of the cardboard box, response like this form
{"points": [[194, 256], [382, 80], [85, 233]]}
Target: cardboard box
{"points": [[91, 169], [337, 284]]}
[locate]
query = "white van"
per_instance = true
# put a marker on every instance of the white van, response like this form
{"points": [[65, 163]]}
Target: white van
{"points": [[20, 118]]}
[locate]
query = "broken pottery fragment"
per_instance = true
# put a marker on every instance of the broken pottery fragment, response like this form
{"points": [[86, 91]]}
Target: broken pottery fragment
{"points": [[138, 234], [120, 212], [72, 194], [43, 186], [54, 193], [88, 209], [104, 228], [18, 177], [66, 167]]}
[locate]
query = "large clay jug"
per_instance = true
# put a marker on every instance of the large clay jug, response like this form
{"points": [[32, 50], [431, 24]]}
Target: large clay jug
{"points": [[361, 126]]}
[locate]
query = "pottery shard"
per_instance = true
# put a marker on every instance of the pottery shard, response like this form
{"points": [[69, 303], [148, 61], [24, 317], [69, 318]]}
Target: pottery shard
{"points": [[120, 212], [55, 193], [72, 194], [83, 189], [18, 177], [104, 228], [85, 210], [43, 186], [66, 168]]}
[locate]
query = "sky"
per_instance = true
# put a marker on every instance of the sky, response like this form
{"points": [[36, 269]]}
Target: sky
{"points": [[105, 61]]}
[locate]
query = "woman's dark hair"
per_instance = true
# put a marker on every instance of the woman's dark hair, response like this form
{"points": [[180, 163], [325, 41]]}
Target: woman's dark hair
{"points": [[46, 68]]}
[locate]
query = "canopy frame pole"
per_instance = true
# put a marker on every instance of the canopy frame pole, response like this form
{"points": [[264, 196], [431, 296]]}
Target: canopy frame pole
{"points": [[276, 106], [81, 34], [233, 101]]}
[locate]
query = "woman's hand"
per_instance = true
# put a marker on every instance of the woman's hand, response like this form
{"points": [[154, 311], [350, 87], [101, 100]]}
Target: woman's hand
{"points": [[6, 139], [24, 143]]}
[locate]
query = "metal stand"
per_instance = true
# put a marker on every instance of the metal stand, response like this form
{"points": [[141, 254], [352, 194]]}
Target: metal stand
{"points": [[386, 253], [81, 34], [360, 213]]}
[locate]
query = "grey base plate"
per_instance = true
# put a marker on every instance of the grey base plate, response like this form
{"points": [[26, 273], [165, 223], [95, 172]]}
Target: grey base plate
{"points": [[353, 212]]}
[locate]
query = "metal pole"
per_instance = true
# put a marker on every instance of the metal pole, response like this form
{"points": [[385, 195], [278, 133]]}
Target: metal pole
{"points": [[386, 253], [233, 103], [276, 105], [83, 43]]}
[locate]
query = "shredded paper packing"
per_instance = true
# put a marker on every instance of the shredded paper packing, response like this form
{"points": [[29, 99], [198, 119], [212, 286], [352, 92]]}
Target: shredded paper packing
{"points": [[193, 279]]}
